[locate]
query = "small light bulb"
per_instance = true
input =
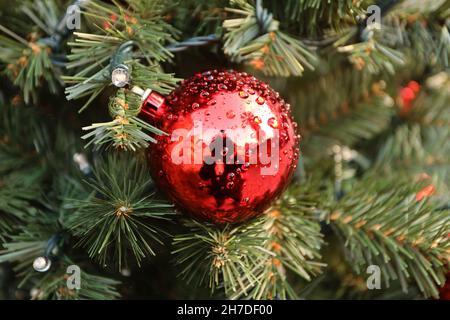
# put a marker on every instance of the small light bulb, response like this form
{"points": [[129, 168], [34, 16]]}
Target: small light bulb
{"points": [[42, 264], [120, 76], [82, 162]]}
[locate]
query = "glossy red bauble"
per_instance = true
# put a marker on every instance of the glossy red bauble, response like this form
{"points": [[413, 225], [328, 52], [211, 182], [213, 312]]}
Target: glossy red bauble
{"points": [[231, 146]]}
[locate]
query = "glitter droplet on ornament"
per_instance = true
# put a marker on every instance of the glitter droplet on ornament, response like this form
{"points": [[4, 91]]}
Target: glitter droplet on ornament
{"points": [[257, 120], [231, 114], [272, 122], [243, 94], [260, 100]]}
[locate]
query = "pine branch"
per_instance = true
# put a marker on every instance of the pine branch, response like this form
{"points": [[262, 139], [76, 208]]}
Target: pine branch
{"points": [[370, 55], [219, 257], [28, 56], [254, 260], [315, 17], [420, 144], [293, 245], [126, 131], [32, 243], [387, 224], [347, 114], [256, 40], [53, 286], [28, 244], [120, 217], [143, 31]]}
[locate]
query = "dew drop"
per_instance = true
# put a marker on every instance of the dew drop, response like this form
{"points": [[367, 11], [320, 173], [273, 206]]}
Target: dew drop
{"points": [[212, 102], [195, 105], [272, 122], [243, 94], [231, 114], [231, 176], [160, 173], [260, 100], [257, 120], [230, 185]]}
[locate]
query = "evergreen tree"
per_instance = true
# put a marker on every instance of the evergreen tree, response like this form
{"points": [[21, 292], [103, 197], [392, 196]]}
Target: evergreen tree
{"points": [[367, 82]]}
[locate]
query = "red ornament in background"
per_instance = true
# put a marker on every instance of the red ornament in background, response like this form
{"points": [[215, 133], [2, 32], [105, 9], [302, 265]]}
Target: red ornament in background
{"points": [[407, 96], [231, 147]]}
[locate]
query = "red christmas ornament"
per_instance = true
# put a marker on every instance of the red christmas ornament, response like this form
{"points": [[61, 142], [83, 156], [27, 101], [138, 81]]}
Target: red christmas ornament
{"points": [[407, 96], [231, 145]]}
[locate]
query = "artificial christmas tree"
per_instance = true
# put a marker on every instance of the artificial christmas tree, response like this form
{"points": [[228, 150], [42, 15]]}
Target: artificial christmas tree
{"points": [[96, 204]]}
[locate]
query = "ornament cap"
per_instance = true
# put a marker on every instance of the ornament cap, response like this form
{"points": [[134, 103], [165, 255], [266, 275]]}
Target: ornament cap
{"points": [[152, 103]]}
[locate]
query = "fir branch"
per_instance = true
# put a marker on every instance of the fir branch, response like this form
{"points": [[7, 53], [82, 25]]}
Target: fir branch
{"points": [[293, 245], [348, 114], [371, 55], [257, 40], [120, 216], [392, 228], [53, 286], [420, 144], [126, 131], [145, 31], [315, 18], [219, 257], [30, 62], [27, 65], [28, 244]]}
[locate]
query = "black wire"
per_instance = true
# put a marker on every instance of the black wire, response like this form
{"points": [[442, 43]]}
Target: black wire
{"points": [[193, 42]]}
